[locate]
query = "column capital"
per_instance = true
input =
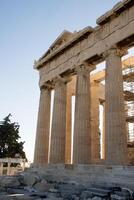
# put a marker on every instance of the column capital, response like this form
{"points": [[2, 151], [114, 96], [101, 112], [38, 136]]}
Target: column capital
{"points": [[84, 69], [94, 82], [47, 86], [102, 102], [115, 51], [58, 81]]}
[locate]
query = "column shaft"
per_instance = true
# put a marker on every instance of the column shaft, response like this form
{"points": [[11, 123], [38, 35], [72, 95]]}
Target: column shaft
{"points": [[95, 132], [115, 136], [103, 133], [57, 145], [43, 128], [82, 135], [68, 127]]}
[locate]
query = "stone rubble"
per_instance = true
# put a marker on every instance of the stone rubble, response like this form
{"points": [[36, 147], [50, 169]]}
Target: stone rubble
{"points": [[32, 186]]}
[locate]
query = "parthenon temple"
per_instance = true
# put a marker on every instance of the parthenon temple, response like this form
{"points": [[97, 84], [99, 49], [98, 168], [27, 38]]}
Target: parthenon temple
{"points": [[86, 108]]}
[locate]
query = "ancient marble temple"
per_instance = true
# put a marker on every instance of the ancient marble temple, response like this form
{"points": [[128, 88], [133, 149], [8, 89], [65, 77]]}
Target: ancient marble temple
{"points": [[69, 69]]}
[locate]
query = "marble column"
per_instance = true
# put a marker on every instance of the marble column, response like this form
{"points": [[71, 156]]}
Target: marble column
{"points": [[58, 132], [103, 133], [95, 132], [43, 128], [68, 127], [115, 125], [82, 134], [69, 120]]}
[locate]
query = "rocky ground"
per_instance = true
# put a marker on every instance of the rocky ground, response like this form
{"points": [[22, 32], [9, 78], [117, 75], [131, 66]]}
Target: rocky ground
{"points": [[33, 186]]}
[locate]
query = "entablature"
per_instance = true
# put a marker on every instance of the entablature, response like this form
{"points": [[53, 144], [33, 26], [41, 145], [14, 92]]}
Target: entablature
{"points": [[88, 45]]}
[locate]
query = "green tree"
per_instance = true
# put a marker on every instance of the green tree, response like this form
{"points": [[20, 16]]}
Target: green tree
{"points": [[10, 146]]}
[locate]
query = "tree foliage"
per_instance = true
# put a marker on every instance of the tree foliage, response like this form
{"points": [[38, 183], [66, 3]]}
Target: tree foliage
{"points": [[10, 146]]}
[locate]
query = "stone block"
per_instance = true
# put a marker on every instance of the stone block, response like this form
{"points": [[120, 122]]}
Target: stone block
{"points": [[9, 181], [43, 186], [30, 179], [86, 195]]}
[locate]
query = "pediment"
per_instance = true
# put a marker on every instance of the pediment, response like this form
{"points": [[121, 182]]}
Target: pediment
{"points": [[60, 40]]}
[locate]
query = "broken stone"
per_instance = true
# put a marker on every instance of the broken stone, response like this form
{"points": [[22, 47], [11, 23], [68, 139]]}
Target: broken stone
{"points": [[96, 198], [38, 194], [17, 197], [53, 195], [2, 190], [7, 181], [16, 191], [43, 186], [30, 179], [30, 189], [86, 195], [53, 190], [116, 197], [53, 198]]}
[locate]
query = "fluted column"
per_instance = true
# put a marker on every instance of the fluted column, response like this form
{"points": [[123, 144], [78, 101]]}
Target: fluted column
{"points": [[103, 132], [43, 126], [82, 134], [57, 144], [95, 132], [115, 126], [68, 127]]}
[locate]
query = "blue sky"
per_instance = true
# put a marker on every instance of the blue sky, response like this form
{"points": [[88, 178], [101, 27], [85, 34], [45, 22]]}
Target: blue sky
{"points": [[27, 28]]}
